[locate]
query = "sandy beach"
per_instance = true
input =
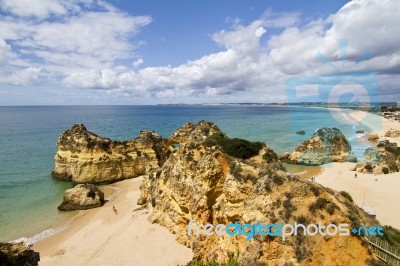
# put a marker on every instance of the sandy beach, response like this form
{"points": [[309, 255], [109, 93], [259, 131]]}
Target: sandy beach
{"points": [[100, 237], [379, 192]]}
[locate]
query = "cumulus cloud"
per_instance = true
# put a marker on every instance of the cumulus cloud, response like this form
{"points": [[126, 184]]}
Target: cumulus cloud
{"points": [[89, 35], [5, 50], [26, 76]]}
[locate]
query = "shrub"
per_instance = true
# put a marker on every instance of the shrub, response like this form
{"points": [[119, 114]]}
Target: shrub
{"points": [[368, 167], [239, 148], [394, 150], [319, 204], [331, 208], [385, 170], [346, 195], [277, 179], [270, 156], [315, 190], [210, 142], [391, 235], [232, 261]]}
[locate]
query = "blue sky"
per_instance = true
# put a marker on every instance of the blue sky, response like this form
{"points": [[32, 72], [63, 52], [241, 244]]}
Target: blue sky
{"points": [[149, 52]]}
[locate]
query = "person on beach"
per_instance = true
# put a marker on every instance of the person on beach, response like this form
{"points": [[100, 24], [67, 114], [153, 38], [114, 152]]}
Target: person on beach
{"points": [[115, 210], [355, 175]]}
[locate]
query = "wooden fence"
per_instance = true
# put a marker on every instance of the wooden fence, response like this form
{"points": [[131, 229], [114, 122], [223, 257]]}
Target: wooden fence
{"points": [[386, 252]]}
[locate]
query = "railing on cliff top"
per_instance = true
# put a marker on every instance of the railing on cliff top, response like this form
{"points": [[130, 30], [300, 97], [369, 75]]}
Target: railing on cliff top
{"points": [[384, 251]]}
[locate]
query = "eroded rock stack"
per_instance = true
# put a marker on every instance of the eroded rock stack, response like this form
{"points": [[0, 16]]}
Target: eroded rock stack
{"points": [[200, 182], [325, 146], [82, 197], [84, 157]]}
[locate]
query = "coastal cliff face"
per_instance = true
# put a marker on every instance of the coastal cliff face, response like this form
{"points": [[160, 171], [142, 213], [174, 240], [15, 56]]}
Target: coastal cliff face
{"points": [[325, 146], [200, 182], [84, 157]]}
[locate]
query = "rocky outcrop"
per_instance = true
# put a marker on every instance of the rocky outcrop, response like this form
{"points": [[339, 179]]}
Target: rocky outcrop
{"points": [[18, 254], [202, 183], [84, 157], [360, 131], [82, 197], [301, 132], [383, 159], [325, 146], [373, 136], [194, 132], [372, 155], [392, 133]]}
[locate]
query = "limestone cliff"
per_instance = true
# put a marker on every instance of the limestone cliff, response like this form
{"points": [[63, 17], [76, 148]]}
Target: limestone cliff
{"points": [[325, 146], [194, 132], [200, 182], [84, 157]]}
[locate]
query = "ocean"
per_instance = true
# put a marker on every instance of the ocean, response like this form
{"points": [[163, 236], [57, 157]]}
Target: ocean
{"points": [[29, 196]]}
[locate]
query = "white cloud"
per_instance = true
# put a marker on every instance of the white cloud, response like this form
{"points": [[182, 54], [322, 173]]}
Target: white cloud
{"points": [[39, 9], [5, 50], [26, 76], [79, 41], [82, 50], [137, 62]]}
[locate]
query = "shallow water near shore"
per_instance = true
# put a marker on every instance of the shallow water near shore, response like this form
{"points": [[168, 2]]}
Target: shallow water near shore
{"points": [[29, 196]]}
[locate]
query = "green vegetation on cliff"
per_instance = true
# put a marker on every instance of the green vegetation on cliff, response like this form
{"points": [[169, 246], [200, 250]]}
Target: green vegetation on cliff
{"points": [[239, 148]]}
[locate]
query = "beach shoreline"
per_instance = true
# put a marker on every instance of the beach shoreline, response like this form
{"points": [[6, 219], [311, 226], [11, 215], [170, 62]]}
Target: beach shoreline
{"points": [[101, 237], [378, 192]]}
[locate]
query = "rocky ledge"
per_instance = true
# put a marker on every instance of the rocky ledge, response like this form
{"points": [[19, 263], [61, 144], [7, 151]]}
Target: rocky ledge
{"points": [[383, 159], [84, 157], [18, 254], [392, 133], [207, 181], [82, 197], [325, 146]]}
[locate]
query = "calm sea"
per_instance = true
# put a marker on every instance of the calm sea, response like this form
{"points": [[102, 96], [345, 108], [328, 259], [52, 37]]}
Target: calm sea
{"points": [[29, 195]]}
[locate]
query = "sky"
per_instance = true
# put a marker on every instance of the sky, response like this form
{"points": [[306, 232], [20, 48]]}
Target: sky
{"points": [[61, 52]]}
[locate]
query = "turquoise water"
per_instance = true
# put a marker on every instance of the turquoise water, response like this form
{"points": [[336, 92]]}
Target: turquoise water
{"points": [[28, 194]]}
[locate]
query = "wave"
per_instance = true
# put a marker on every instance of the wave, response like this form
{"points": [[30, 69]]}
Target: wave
{"points": [[41, 235]]}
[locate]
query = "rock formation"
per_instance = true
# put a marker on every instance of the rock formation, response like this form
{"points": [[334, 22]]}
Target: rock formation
{"points": [[360, 131], [200, 182], [194, 132], [82, 197], [325, 146], [301, 132], [18, 254], [392, 133], [385, 158], [373, 136], [84, 157]]}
